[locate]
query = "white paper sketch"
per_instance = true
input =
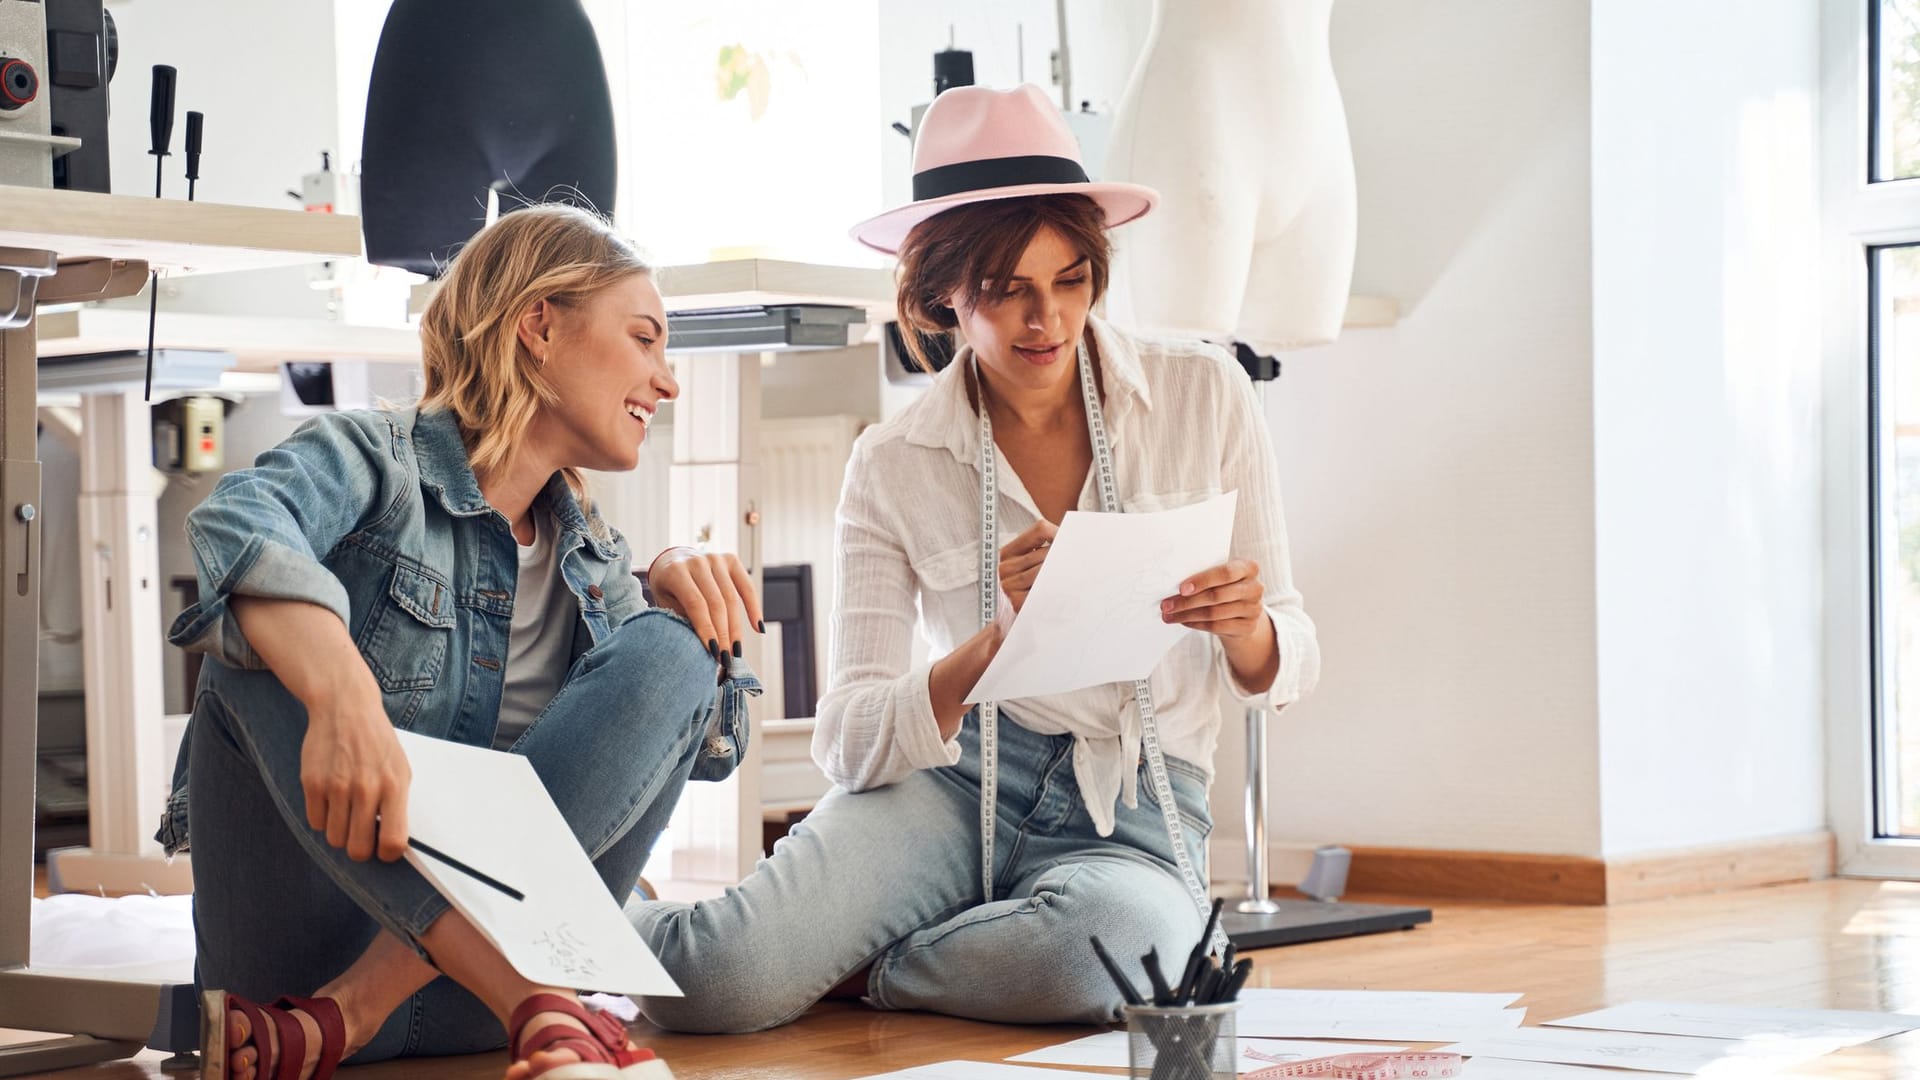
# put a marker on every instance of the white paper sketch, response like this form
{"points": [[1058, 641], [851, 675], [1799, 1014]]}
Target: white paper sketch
{"points": [[1109, 1050], [1684, 1054], [1380, 999], [489, 811], [980, 1070], [1392, 1017], [1488, 1068], [1743, 1021], [1093, 615]]}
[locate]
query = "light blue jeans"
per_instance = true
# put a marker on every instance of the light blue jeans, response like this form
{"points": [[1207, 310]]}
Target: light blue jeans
{"points": [[278, 911], [891, 878]]}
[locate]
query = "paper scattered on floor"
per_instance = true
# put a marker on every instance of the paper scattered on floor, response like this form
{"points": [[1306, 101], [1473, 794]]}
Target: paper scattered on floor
{"points": [[980, 1070], [1387, 1015], [1093, 616], [1109, 1050], [1380, 999], [1498, 1069], [490, 811], [1743, 1021], [1684, 1054]]}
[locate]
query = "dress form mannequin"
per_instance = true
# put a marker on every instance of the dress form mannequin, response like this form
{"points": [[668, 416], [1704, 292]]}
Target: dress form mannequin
{"points": [[1234, 115], [468, 95]]}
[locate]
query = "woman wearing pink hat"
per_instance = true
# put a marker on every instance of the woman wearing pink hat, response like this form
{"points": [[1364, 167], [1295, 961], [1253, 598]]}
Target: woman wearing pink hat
{"points": [[962, 862]]}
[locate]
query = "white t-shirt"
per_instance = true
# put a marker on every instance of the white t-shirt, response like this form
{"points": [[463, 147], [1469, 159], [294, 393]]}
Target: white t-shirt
{"points": [[544, 614]]}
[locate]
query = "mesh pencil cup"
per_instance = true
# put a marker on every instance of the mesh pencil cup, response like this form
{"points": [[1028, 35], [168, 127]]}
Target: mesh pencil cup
{"points": [[1193, 1042]]}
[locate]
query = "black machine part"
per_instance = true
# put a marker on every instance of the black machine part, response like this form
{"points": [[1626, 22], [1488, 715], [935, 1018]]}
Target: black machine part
{"points": [[83, 51], [19, 83]]}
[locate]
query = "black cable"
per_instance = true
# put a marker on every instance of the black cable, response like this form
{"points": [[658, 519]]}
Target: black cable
{"points": [[153, 294]]}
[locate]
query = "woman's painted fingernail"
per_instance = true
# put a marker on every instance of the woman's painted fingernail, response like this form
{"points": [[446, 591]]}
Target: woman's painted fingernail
{"points": [[736, 650], [713, 647], [761, 626]]}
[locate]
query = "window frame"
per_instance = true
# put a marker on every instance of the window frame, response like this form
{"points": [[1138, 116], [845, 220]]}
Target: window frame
{"points": [[1859, 215]]}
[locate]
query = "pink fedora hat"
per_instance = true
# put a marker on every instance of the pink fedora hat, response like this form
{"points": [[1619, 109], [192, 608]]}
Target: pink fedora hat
{"points": [[977, 144]]}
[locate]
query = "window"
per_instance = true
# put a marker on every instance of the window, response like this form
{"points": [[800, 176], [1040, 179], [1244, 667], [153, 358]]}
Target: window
{"points": [[1870, 328], [1893, 276], [1894, 45]]}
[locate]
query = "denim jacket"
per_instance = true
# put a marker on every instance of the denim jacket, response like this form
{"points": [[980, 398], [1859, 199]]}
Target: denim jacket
{"points": [[377, 517]]}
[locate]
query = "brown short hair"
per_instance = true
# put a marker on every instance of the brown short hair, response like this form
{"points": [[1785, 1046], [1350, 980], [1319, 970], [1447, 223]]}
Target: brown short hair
{"points": [[975, 249]]}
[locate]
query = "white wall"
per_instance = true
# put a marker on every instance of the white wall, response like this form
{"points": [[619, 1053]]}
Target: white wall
{"points": [[1706, 429], [1438, 475], [1011, 42]]}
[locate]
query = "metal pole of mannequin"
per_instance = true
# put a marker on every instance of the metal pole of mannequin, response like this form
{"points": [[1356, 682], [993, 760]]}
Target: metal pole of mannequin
{"points": [[1257, 901]]}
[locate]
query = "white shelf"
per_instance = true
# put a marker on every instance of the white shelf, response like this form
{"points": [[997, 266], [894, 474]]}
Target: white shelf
{"points": [[744, 282], [741, 282], [171, 234], [260, 344]]}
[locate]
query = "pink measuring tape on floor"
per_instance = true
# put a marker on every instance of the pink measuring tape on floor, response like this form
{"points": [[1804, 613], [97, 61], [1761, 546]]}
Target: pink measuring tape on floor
{"points": [[1360, 1067]]}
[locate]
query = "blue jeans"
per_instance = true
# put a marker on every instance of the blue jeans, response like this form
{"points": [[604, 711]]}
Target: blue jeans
{"points": [[277, 910], [891, 878]]}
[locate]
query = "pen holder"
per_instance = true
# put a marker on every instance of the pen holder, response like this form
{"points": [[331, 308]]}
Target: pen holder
{"points": [[1194, 1042]]}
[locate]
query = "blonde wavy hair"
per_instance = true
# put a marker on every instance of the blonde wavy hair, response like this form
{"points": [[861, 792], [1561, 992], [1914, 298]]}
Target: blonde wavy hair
{"points": [[476, 367]]}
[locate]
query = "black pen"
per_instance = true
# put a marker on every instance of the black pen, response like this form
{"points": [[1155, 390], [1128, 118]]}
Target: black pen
{"points": [[1237, 980], [1200, 952], [465, 869], [1162, 993], [1127, 992]]}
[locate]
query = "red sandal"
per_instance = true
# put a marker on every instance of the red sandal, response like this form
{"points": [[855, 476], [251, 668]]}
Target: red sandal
{"points": [[216, 1004], [604, 1051]]}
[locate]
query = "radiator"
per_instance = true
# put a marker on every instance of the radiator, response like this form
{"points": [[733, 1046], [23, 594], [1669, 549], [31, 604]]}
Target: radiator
{"points": [[802, 462]]}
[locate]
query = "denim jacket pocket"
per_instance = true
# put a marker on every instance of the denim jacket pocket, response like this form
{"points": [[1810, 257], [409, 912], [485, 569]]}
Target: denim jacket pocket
{"points": [[729, 725], [406, 637]]}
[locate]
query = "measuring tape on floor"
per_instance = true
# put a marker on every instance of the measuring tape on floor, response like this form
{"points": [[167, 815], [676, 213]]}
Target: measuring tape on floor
{"points": [[989, 711], [1359, 1067]]}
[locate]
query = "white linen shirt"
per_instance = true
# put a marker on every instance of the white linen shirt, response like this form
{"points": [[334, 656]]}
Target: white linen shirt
{"points": [[1185, 425]]}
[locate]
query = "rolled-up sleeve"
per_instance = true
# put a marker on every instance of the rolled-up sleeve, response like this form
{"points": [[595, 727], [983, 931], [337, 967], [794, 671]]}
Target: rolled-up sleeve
{"points": [[1260, 533], [265, 530], [875, 724]]}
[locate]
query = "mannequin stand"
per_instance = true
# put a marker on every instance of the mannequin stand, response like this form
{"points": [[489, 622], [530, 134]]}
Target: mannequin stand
{"points": [[1259, 921]]}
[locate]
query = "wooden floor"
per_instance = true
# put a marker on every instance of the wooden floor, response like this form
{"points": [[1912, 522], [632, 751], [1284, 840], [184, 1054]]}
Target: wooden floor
{"points": [[1836, 944]]}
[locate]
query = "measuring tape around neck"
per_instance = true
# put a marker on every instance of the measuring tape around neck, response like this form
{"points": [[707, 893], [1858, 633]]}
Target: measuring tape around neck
{"points": [[989, 712]]}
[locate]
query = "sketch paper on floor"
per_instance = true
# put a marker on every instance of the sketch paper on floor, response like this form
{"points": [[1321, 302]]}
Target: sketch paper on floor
{"points": [[980, 1070], [1499, 1069], [1109, 1050], [490, 811], [1743, 1021], [1392, 1016], [1685, 1054], [1379, 999], [1093, 616]]}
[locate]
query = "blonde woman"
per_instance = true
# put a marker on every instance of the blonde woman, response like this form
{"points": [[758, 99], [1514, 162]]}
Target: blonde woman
{"points": [[440, 570]]}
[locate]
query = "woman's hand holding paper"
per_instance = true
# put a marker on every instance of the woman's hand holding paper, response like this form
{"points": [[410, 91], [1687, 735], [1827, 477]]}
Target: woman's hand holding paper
{"points": [[1228, 602]]}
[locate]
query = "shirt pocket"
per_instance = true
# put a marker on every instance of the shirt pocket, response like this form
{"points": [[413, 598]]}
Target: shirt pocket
{"points": [[950, 570], [1146, 502], [407, 635]]}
